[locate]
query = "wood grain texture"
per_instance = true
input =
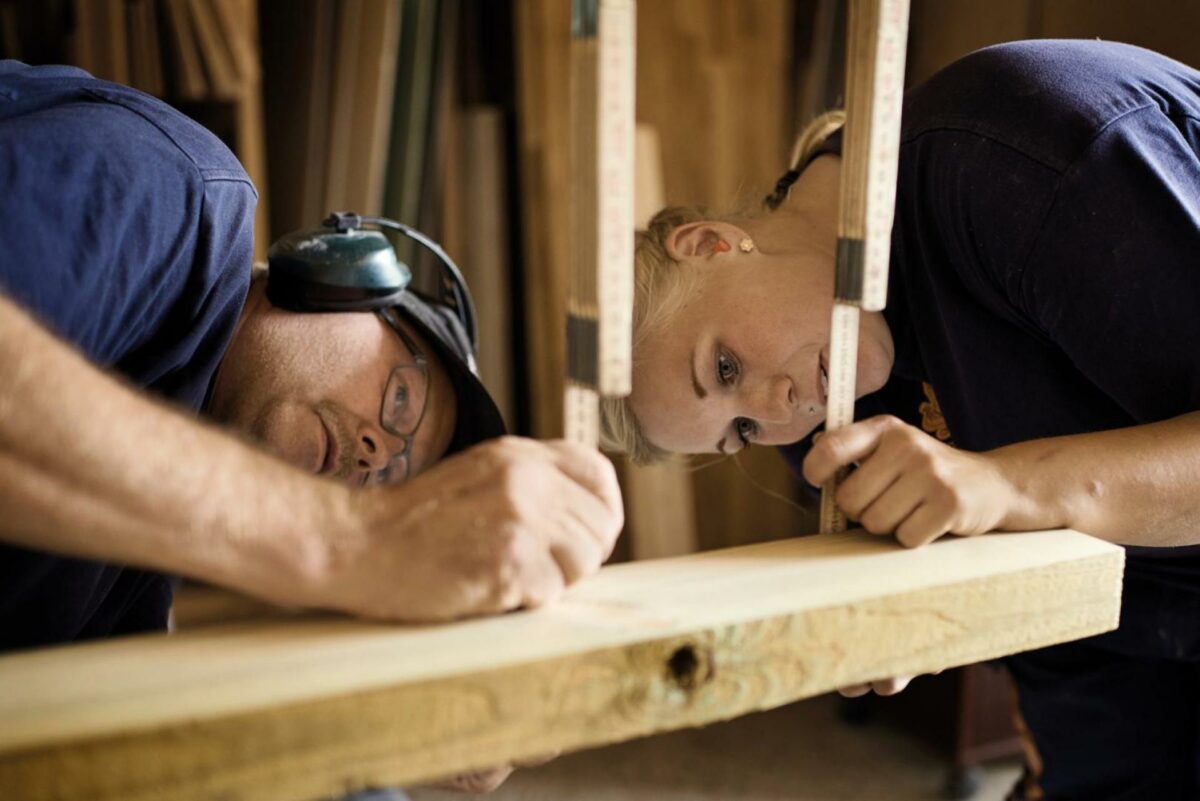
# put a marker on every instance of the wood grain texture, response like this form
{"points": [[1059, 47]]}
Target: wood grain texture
{"points": [[343, 133], [238, 20], [197, 605], [581, 403], [374, 88], [542, 32], [189, 81], [484, 191], [314, 707], [215, 54], [145, 48]]}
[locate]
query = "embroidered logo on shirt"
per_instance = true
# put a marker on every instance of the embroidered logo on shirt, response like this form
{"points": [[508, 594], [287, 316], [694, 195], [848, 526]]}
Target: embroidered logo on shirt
{"points": [[932, 419]]}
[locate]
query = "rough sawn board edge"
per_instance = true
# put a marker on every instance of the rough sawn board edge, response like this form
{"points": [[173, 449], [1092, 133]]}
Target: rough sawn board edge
{"points": [[437, 726]]}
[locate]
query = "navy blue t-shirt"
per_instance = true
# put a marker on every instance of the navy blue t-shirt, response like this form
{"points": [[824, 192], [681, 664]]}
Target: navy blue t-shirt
{"points": [[1045, 275], [126, 229]]}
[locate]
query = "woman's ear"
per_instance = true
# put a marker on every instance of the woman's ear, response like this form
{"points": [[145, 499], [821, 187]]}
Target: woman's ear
{"points": [[703, 238], [693, 239]]}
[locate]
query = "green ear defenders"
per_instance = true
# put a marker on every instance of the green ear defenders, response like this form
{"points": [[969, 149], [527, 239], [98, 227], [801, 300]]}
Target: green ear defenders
{"points": [[342, 267]]}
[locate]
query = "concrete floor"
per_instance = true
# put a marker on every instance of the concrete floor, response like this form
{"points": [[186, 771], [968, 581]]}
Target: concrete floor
{"points": [[802, 752]]}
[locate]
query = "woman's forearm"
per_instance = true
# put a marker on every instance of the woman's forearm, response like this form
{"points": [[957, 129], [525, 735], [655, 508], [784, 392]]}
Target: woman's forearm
{"points": [[1133, 486], [94, 469]]}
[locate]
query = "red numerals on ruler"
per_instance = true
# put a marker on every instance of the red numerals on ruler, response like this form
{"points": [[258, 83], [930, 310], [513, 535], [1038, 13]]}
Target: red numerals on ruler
{"points": [[886, 105], [615, 193]]}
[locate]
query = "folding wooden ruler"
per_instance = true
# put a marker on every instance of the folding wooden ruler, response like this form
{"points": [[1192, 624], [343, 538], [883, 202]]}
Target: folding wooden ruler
{"points": [[600, 285], [876, 37]]}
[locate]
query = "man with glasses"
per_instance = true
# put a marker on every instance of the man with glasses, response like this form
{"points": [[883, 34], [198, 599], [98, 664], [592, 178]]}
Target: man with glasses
{"points": [[127, 306], [405, 399]]}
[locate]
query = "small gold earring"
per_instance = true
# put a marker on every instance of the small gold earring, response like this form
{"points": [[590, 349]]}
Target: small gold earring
{"points": [[746, 245]]}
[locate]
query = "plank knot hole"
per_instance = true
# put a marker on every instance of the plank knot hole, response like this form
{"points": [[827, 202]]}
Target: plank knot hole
{"points": [[687, 669]]}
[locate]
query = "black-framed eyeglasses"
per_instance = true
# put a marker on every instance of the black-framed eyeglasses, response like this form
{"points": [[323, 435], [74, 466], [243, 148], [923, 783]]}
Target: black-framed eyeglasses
{"points": [[405, 399]]}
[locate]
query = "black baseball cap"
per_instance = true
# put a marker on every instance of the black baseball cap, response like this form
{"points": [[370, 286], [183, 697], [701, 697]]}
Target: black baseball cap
{"points": [[477, 418]]}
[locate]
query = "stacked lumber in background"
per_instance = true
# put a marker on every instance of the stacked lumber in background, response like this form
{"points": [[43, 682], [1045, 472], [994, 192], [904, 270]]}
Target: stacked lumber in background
{"points": [[369, 110], [330, 77], [468, 203]]}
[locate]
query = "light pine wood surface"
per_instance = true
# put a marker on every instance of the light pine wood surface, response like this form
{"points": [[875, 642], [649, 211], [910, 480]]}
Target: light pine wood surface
{"points": [[306, 708]]}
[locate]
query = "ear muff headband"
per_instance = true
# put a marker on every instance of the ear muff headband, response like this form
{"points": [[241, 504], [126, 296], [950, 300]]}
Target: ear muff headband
{"points": [[329, 270]]}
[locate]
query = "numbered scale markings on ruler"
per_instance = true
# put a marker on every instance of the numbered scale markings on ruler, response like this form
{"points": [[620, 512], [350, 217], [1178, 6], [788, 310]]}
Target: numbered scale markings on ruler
{"points": [[877, 36], [614, 203], [600, 303], [839, 411], [887, 94], [582, 415]]}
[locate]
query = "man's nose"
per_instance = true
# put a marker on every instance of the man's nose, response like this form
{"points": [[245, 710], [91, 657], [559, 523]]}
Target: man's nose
{"points": [[774, 401], [370, 450]]}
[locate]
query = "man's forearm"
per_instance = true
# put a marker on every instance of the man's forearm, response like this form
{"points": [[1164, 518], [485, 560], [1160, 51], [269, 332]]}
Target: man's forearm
{"points": [[1134, 486], [92, 468]]}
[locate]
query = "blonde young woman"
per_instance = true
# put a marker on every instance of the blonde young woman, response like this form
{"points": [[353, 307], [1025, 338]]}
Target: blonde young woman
{"points": [[1037, 365]]}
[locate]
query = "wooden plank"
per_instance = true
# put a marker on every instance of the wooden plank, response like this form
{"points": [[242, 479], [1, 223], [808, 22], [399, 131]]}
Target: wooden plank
{"points": [[238, 21], [114, 42], [660, 509], [649, 193], [320, 706], [84, 41], [289, 63], [876, 40], [484, 211], [444, 80], [374, 89], [342, 101], [543, 35], [190, 83], [411, 121], [820, 67], [599, 320], [215, 51], [317, 59], [581, 397], [197, 605], [145, 53], [616, 80]]}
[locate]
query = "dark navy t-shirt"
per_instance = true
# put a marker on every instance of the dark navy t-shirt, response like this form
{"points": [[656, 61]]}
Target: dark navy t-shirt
{"points": [[126, 229], [1045, 275]]}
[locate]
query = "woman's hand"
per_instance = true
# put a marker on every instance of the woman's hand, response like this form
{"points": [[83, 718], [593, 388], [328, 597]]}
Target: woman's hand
{"points": [[479, 781], [909, 483], [892, 686], [484, 781]]}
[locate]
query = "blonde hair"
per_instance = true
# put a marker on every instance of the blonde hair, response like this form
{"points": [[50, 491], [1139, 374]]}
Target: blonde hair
{"points": [[660, 286]]}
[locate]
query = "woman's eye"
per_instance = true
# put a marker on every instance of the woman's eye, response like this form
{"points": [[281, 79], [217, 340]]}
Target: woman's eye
{"points": [[746, 429], [726, 369]]}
